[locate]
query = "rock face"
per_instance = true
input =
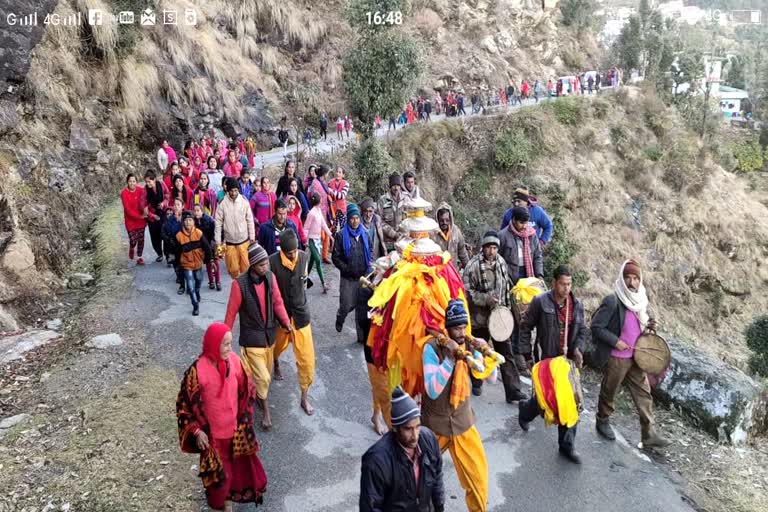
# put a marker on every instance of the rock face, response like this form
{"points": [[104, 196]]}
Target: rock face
{"points": [[18, 257], [8, 423], [722, 400]]}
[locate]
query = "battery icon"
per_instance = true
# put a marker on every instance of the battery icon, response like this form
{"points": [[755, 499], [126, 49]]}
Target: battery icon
{"points": [[746, 17]]}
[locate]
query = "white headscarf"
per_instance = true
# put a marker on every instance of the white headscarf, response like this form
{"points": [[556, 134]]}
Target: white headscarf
{"points": [[637, 302]]}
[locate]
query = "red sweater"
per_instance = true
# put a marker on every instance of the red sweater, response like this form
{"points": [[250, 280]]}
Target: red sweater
{"points": [[235, 298], [133, 208]]}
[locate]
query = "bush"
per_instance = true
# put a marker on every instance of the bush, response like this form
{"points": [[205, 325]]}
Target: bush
{"points": [[653, 153], [372, 164], [380, 73], [561, 249], [601, 107], [749, 155], [514, 151], [577, 13], [757, 340], [567, 110]]}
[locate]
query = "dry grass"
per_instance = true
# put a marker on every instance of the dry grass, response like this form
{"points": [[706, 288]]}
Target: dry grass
{"points": [[428, 22], [103, 36]]}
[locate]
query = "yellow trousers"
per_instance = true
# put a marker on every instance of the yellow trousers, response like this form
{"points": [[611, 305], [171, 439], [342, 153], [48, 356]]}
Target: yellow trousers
{"points": [[471, 466], [236, 259], [258, 364], [382, 403], [303, 350]]}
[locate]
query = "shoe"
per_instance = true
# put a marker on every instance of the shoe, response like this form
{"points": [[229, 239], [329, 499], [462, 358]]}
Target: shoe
{"points": [[654, 440], [571, 455], [158, 259], [195, 310], [339, 326], [516, 396], [477, 390], [211, 285], [523, 424], [310, 284], [180, 291], [140, 261], [604, 429], [218, 287]]}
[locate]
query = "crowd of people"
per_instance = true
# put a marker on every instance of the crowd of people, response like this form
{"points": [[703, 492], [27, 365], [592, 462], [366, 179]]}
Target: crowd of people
{"points": [[271, 241]]}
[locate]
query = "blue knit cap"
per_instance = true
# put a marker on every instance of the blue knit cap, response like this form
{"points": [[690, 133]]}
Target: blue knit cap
{"points": [[456, 314], [352, 209]]}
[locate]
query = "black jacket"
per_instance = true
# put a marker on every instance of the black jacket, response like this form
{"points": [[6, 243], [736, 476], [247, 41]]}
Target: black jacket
{"points": [[292, 287], [387, 482], [542, 315], [607, 323], [353, 267]]}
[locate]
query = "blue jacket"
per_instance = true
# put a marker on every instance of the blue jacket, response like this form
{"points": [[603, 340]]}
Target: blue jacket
{"points": [[539, 221], [268, 236], [246, 189]]}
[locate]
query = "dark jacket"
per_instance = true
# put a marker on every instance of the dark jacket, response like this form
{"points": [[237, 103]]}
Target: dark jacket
{"points": [[267, 237], [539, 220], [378, 249], [607, 323], [254, 330], [353, 267], [542, 315], [293, 287], [207, 225], [508, 243], [387, 482]]}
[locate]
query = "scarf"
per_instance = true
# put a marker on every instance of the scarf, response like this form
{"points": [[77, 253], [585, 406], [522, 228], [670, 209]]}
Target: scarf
{"points": [[566, 321], [525, 236], [212, 348], [288, 262], [636, 302], [346, 238], [446, 236], [502, 283], [460, 386]]}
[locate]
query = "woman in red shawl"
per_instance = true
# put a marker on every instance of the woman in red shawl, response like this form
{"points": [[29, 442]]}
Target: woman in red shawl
{"points": [[135, 213], [215, 416]]}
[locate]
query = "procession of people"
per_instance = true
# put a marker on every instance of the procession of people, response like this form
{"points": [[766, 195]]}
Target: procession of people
{"points": [[435, 323]]}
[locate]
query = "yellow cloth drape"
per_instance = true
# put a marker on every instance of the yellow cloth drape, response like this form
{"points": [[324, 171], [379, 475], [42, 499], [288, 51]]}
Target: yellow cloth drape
{"points": [[526, 289], [568, 413]]}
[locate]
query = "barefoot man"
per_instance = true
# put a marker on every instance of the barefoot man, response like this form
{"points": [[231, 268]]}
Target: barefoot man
{"points": [[255, 297], [289, 265]]}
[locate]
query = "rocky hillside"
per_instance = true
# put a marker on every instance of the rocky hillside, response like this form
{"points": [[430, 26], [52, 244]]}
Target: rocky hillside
{"points": [[82, 106], [624, 177]]}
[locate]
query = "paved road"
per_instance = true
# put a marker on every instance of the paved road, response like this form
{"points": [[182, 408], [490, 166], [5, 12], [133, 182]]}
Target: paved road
{"points": [[313, 463]]}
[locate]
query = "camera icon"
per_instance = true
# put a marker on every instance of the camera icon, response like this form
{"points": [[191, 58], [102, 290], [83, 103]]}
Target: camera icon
{"points": [[190, 17]]}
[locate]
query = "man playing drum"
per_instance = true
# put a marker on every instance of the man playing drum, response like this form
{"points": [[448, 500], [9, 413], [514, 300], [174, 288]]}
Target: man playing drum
{"points": [[487, 284], [558, 318], [620, 320]]}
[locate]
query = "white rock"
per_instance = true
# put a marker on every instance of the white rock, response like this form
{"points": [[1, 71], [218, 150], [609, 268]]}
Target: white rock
{"points": [[53, 325], [14, 347], [7, 321], [12, 421], [105, 341], [18, 256], [80, 280]]}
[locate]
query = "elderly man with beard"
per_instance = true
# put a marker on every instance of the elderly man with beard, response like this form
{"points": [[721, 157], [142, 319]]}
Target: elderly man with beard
{"points": [[372, 223], [616, 325], [403, 471], [487, 283]]}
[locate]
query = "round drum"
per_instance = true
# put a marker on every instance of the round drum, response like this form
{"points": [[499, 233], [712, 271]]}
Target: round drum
{"points": [[652, 353], [501, 323]]}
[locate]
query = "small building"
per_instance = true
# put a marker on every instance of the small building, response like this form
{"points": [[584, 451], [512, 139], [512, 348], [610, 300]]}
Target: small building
{"points": [[731, 99]]}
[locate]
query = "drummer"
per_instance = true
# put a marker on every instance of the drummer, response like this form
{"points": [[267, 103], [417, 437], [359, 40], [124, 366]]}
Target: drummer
{"points": [[558, 318], [487, 284], [616, 325]]}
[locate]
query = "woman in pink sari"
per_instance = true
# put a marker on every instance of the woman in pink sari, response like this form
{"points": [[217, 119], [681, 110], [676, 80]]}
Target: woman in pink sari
{"points": [[214, 411], [203, 195]]}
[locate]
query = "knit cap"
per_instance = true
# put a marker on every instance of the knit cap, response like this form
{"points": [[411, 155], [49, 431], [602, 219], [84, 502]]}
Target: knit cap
{"points": [[520, 214], [288, 240], [256, 253], [632, 267], [395, 179], [352, 210], [404, 408], [456, 314], [490, 237]]}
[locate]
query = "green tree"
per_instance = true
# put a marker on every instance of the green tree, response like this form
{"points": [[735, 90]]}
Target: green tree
{"points": [[379, 75], [757, 340], [373, 163], [578, 14], [629, 45], [736, 76], [357, 13]]}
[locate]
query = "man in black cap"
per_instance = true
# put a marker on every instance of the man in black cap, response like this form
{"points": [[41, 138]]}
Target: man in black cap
{"points": [[255, 297], [487, 283], [520, 248], [404, 469], [289, 265], [391, 210], [352, 256]]}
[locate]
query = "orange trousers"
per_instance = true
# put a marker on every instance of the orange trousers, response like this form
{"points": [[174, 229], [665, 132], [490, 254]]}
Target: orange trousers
{"points": [[382, 403], [326, 245], [471, 466], [303, 350]]}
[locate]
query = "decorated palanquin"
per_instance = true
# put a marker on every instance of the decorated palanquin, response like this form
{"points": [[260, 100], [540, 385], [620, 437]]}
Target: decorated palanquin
{"points": [[412, 287]]}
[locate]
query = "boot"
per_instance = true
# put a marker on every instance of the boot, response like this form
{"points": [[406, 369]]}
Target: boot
{"points": [[515, 396], [523, 424], [572, 455], [604, 429], [654, 440]]}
